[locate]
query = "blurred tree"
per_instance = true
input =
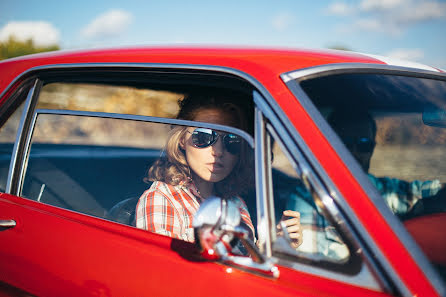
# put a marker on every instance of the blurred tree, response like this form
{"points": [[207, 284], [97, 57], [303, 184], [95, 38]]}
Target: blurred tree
{"points": [[14, 48], [340, 47]]}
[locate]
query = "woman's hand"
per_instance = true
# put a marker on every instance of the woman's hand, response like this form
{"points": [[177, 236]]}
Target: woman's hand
{"points": [[291, 220]]}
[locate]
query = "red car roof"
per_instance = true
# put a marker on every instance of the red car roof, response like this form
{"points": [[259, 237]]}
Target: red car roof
{"points": [[250, 60]]}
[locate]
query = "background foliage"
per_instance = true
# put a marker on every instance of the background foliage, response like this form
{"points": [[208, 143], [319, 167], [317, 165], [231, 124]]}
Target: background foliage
{"points": [[14, 48]]}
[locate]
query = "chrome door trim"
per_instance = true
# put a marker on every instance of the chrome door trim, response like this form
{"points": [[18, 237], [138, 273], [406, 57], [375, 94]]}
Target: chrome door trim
{"points": [[7, 223], [141, 118], [263, 184], [22, 135], [292, 80]]}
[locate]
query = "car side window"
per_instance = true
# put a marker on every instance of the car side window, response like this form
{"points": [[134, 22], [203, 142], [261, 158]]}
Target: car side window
{"points": [[394, 128], [395, 132], [88, 164], [320, 241], [96, 149], [95, 97]]}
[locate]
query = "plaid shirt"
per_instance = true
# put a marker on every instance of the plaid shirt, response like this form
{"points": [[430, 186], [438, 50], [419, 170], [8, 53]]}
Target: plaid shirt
{"points": [[169, 210], [320, 239]]}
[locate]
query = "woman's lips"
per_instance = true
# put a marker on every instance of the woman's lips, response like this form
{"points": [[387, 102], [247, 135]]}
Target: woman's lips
{"points": [[216, 166]]}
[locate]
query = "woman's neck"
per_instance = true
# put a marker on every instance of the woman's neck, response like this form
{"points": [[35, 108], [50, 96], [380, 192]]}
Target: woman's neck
{"points": [[205, 188]]}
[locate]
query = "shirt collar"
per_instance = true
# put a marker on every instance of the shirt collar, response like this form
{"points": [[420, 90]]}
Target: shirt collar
{"points": [[193, 189]]}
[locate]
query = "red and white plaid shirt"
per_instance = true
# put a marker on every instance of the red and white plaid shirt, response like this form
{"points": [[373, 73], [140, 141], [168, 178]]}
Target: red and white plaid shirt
{"points": [[169, 210]]}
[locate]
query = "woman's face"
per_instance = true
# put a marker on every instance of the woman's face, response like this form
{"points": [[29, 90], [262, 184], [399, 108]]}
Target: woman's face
{"points": [[213, 163]]}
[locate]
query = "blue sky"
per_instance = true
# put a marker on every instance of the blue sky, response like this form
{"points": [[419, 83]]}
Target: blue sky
{"points": [[406, 29]]}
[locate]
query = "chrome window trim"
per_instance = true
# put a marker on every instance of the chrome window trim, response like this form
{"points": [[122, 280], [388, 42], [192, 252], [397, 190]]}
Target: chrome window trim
{"points": [[21, 140], [141, 118], [330, 69], [101, 66], [162, 67], [292, 80], [23, 166], [263, 184]]}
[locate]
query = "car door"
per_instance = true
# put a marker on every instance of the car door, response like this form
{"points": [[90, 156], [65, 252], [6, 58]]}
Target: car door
{"points": [[65, 177], [57, 236]]}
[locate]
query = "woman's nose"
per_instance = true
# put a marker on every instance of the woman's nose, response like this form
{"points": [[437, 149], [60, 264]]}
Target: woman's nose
{"points": [[217, 148]]}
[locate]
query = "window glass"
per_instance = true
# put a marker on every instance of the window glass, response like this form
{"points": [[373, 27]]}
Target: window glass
{"points": [[109, 98], [320, 241], [89, 164], [408, 149], [8, 134], [395, 128], [396, 131], [144, 174]]}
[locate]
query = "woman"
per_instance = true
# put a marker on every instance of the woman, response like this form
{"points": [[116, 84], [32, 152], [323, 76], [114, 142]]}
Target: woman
{"points": [[199, 163]]}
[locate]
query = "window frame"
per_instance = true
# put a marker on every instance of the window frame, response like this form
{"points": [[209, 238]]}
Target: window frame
{"points": [[292, 80], [104, 115], [367, 274]]}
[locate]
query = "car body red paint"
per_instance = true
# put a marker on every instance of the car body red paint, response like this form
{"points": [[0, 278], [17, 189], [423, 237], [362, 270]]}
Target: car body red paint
{"points": [[54, 252]]}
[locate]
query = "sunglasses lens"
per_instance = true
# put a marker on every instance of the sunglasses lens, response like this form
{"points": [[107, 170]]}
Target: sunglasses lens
{"points": [[202, 137], [232, 143]]}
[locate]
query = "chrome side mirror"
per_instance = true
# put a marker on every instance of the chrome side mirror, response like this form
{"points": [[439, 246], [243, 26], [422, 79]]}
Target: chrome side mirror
{"points": [[216, 225]]}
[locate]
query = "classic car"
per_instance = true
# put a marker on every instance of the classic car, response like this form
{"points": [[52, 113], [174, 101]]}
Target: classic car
{"points": [[79, 130]]}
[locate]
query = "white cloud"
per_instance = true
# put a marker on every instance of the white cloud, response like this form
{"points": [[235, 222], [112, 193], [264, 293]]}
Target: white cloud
{"points": [[370, 24], [376, 25], [42, 33], [340, 9], [109, 24], [419, 12], [388, 16], [282, 21], [406, 54], [379, 5]]}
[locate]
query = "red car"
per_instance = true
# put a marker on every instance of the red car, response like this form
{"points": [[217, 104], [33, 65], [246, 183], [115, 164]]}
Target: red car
{"points": [[355, 143]]}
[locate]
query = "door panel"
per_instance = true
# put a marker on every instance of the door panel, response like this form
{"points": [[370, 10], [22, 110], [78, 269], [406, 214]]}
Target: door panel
{"points": [[55, 252]]}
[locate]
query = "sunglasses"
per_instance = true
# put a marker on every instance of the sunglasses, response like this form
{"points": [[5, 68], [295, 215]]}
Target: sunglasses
{"points": [[202, 138], [360, 144]]}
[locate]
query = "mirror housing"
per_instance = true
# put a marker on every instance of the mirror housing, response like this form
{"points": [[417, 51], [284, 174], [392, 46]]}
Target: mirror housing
{"points": [[217, 226]]}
